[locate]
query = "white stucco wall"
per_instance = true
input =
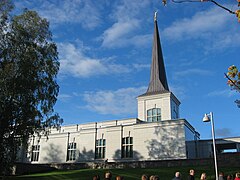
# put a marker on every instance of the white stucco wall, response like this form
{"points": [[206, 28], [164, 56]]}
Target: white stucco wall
{"points": [[164, 140], [151, 141], [163, 101]]}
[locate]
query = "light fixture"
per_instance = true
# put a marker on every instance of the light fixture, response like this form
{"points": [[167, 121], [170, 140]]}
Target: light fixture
{"points": [[207, 118]]}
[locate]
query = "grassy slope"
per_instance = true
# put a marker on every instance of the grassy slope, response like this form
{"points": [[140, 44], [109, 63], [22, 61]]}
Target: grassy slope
{"points": [[128, 174]]}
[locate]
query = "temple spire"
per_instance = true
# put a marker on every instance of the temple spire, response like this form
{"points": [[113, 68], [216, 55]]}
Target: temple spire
{"points": [[158, 80], [155, 16]]}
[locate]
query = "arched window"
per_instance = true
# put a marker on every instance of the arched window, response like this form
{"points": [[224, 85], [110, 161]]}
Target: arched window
{"points": [[154, 115]]}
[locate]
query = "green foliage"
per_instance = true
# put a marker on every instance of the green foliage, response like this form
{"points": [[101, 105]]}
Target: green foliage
{"points": [[233, 76], [238, 14], [238, 11], [28, 88]]}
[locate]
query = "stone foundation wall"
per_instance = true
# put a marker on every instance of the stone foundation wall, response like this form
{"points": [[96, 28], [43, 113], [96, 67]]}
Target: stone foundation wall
{"points": [[26, 168]]}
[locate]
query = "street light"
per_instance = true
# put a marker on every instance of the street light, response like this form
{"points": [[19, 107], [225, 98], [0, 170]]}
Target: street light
{"points": [[207, 118]]}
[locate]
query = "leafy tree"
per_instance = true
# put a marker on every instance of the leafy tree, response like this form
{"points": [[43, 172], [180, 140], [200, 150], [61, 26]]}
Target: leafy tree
{"points": [[28, 88], [233, 76], [237, 12]]}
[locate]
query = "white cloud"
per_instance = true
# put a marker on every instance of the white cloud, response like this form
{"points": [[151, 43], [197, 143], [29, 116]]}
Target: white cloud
{"points": [[64, 97], [141, 40], [127, 16], [199, 25], [215, 28], [67, 11], [225, 40], [74, 62], [141, 66], [222, 93], [192, 71], [114, 36], [119, 102], [125, 9], [126, 40], [179, 91]]}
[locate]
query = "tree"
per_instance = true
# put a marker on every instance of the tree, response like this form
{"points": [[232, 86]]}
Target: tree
{"points": [[237, 12], [28, 88], [233, 76]]}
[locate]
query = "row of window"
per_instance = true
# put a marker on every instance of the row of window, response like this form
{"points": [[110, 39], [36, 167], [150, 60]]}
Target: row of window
{"points": [[153, 115], [100, 149]]}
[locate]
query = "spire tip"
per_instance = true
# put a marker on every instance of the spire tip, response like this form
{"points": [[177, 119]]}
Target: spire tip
{"points": [[155, 16]]}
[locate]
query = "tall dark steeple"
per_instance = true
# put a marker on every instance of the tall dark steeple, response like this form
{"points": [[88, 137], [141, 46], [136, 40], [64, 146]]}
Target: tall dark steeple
{"points": [[158, 103], [158, 81]]}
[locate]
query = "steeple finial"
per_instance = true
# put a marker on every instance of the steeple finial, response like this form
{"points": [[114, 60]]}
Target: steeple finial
{"points": [[155, 16]]}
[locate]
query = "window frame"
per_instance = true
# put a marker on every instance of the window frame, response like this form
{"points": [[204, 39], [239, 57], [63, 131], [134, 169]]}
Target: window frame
{"points": [[72, 151], [35, 153], [100, 149], [154, 115], [127, 148]]}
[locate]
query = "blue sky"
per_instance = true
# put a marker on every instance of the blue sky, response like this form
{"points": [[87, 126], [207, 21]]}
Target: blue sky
{"points": [[105, 54]]}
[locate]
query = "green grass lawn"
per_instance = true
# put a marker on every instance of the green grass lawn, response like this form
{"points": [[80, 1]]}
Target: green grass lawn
{"points": [[128, 174]]}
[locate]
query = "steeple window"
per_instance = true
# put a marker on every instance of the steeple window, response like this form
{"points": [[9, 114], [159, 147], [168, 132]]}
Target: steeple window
{"points": [[154, 115]]}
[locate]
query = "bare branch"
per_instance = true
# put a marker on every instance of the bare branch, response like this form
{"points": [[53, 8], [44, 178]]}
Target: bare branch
{"points": [[221, 6], [184, 1]]}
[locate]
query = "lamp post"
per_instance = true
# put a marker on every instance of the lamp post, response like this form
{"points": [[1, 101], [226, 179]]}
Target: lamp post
{"points": [[207, 118]]}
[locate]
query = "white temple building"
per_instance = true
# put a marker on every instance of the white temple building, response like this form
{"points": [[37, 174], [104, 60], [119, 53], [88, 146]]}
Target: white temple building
{"points": [[158, 133]]}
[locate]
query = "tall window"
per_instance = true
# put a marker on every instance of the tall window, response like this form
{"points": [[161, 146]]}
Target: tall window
{"points": [[35, 152], [100, 148], [175, 112], [154, 115], [71, 153], [127, 147]]}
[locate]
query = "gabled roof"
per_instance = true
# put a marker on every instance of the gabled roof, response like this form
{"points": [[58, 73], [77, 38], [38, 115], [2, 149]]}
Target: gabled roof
{"points": [[158, 80]]}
